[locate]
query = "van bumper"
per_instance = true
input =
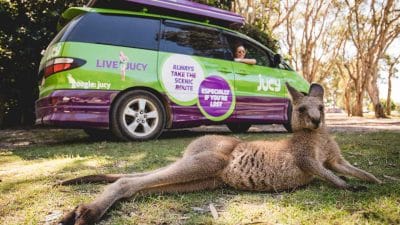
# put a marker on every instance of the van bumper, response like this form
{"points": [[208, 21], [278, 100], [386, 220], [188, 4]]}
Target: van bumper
{"points": [[75, 108]]}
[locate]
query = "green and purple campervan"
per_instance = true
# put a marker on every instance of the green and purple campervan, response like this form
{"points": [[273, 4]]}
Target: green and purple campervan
{"points": [[138, 67]]}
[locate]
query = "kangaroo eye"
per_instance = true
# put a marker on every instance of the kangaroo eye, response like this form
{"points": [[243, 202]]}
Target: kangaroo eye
{"points": [[302, 109], [321, 108]]}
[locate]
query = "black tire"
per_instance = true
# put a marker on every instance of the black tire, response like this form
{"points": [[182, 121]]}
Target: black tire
{"points": [[239, 127], [288, 124], [98, 134], [138, 116]]}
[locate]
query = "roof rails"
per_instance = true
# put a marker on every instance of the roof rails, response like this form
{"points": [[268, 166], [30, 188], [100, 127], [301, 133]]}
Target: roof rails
{"points": [[178, 8]]}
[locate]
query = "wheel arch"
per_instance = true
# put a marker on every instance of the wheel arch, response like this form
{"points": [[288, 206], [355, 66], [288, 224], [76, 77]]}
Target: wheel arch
{"points": [[162, 98]]}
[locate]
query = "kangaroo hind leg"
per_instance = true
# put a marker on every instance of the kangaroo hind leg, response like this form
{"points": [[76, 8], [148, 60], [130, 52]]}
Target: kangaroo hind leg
{"points": [[104, 178], [183, 175]]}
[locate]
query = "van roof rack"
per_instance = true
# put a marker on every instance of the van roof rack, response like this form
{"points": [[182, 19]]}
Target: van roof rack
{"points": [[178, 8]]}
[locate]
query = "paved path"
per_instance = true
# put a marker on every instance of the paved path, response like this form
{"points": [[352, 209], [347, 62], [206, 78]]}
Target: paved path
{"points": [[336, 122]]}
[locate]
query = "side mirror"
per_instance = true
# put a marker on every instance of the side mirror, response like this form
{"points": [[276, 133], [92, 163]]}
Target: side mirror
{"points": [[277, 60]]}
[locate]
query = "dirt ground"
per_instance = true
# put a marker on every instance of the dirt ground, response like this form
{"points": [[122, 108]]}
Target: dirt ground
{"points": [[337, 122]]}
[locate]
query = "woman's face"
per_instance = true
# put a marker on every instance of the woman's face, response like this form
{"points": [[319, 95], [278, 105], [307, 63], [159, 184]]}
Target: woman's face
{"points": [[240, 52]]}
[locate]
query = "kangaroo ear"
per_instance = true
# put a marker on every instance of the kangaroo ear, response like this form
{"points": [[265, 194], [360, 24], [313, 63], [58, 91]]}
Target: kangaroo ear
{"points": [[316, 90], [296, 96]]}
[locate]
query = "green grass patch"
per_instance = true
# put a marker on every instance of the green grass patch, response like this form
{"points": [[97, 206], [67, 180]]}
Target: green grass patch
{"points": [[29, 196]]}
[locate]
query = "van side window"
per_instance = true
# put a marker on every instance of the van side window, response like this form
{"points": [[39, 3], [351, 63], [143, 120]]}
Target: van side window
{"points": [[135, 32], [192, 40], [253, 51]]}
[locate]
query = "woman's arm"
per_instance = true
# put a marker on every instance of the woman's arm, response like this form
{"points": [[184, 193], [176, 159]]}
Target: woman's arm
{"points": [[247, 61]]}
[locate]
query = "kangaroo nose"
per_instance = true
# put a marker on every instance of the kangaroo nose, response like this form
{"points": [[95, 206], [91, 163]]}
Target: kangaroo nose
{"points": [[315, 121]]}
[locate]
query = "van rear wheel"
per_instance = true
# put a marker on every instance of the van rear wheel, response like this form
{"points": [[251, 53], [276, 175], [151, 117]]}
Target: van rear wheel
{"points": [[138, 115], [238, 127]]}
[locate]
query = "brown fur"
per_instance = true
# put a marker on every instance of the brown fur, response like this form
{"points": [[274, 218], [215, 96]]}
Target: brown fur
{"points": [[212, 161]]}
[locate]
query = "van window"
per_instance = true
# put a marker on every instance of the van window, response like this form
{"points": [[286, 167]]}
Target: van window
{"points": [[62, 35], [253, 50], [192, 40], [135, 32]]}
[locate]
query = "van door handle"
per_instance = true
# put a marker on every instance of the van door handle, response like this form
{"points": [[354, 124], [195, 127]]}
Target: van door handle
{"points": [[224, 70], [242, 72]]}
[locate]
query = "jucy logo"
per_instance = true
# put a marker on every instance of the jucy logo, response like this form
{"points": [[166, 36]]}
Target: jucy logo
{"points": [[269, 84], [115, 64], [123, 64]]}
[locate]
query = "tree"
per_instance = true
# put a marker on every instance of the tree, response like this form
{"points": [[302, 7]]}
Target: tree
{"points": [[391, 63], [26, 28], [372, 27], [254, 27]]}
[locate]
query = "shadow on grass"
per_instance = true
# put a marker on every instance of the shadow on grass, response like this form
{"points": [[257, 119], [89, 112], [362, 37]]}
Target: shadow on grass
{"points": [[75, 142]]}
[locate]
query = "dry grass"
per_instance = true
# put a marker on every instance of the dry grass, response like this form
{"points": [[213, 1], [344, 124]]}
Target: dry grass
{"points": [[29, 171]]}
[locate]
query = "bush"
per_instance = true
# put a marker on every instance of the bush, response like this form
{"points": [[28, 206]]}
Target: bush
{"points": [[26, 28], [260, 36], [392, 105]]}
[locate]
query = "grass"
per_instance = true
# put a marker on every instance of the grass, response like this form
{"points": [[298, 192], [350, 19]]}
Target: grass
{"points": [[28, 174]]}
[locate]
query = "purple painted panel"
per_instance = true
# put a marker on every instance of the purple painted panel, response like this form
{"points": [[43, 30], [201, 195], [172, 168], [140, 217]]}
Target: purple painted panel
{"points": [[254, 110], [175, 8], [75, 108], [90, 108], [260, 109]]}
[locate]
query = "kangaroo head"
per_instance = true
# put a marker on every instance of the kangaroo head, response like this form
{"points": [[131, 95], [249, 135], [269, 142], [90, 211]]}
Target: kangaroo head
{"points": [[308, 109]]}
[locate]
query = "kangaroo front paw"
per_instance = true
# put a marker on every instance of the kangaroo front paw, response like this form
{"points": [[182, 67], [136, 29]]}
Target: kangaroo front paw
{"points": [[357, 188], [81, 215]]}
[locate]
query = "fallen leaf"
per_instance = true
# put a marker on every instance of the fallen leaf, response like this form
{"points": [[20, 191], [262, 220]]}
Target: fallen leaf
{"points": [[53, 216], [198, 209], [213, 211], [391, 178]]}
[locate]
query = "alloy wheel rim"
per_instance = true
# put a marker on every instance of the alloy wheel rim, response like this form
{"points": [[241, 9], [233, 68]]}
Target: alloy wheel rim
{"points": [[140, 117]]}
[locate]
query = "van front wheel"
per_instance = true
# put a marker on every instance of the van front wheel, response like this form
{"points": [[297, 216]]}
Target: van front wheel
{"points": [[288, 124], [138, 115]]}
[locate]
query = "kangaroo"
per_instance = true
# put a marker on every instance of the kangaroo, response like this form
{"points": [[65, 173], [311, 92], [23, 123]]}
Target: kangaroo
{"points": [[213, 161]]}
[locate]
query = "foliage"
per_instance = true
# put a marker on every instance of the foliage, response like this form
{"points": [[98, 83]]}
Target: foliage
{"points": [[262, 37], [30, 171], [26, 29], [254, 31], [223, 4], [383, 103]]}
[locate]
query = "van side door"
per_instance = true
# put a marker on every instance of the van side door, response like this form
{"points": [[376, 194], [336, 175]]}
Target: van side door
{"points": [[260, 92], [194, 73]]}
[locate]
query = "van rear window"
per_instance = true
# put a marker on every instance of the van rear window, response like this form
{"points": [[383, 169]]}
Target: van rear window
{"points": [[192, 40], [117, 30]]}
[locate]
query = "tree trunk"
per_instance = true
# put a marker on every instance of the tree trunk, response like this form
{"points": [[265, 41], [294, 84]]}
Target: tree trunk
{"points": [[347, 103], [373, 93], [358, 107], [388, 99]]}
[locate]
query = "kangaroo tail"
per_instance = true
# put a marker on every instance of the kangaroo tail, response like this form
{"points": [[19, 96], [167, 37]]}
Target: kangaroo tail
{"points": [[99, 178]]}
